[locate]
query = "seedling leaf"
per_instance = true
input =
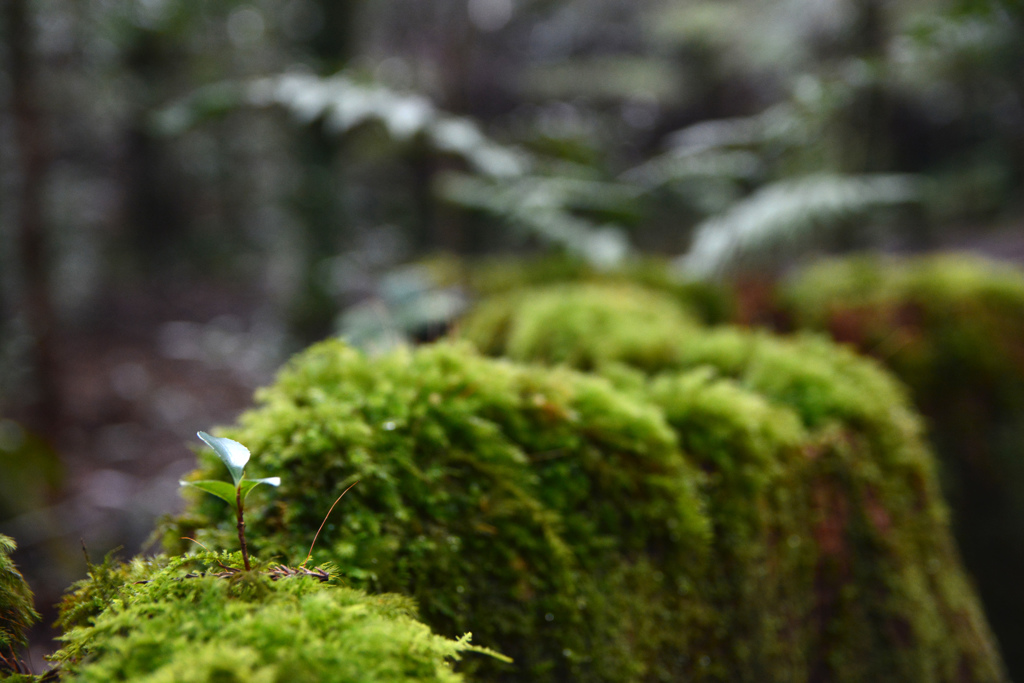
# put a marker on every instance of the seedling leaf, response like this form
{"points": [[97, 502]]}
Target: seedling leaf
{"points": [[221, 489], [249, 484], [233, 454]]}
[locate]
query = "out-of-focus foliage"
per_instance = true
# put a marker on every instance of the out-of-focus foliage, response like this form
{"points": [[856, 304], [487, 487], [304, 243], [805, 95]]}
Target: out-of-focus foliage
{"points": [[32, 470], [709, 303], [952, 328], [505, 185], [17, 613], [543, 205], [200, 618], [846, 88], [785, 215], [342, 104], [422, 301], [414, 303], [597, 127]]}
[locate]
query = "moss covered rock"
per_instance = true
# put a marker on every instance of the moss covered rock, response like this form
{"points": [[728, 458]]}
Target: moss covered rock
{"points": [[872, 587], [545, 511], [16, 610], [200, 619], [952, 328]]}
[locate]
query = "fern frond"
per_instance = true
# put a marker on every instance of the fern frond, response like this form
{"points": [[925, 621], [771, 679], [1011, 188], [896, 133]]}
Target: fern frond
{"points": [[542, 206], [785, 213], [680, 167], [780, 123], [344, 104]]}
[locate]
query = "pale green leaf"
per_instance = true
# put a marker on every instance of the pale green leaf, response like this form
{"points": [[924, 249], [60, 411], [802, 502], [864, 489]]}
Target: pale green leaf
{"points": [[233, 454], [221, 489], [248, 485]]}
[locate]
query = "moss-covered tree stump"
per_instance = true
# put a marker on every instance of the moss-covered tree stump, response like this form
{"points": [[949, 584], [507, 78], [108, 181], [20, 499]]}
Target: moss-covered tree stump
{"points": [[747, 510], [951, 328], [883, 573]]}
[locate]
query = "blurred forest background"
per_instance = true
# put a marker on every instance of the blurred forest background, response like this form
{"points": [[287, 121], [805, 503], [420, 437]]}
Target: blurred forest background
{"points": [[190, 192]]}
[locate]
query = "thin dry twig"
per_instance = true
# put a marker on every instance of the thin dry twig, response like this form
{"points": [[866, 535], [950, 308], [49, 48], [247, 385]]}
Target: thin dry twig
{"points": [[325, 522]]}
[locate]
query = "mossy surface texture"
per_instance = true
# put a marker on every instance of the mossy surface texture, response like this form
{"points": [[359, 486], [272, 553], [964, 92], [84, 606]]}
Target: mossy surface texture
{"points": [[829, 527], [709, 303], [187, 619], [548, 513], [16, 610], [543, 325], [952, 328]]}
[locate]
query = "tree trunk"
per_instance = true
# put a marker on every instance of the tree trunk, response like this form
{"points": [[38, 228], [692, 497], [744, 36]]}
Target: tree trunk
{"points": [[29, 131]]}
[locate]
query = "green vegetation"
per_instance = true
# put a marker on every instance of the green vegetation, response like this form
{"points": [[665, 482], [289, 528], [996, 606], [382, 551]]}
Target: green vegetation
{"points": [[859, 471], [709, 303], [234, 456], [543, 510], [203, 619], [16, 611], [542, 324], [952, 328], [668, 503], [419, 302], [890, 597], [797, 534]]}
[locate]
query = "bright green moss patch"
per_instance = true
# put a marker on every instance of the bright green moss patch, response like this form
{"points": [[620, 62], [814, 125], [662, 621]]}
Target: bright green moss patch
{"points": [[707, 302], [16, 611], [624, 323], [199, 619], [763, 557], [952, 328], [546, 512]]}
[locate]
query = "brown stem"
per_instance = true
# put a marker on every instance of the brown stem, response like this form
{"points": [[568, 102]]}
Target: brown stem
{"points": [[241, 527]]}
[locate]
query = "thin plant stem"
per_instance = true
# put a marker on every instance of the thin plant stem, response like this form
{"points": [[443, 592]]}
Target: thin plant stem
{"points": [[241, 527]]}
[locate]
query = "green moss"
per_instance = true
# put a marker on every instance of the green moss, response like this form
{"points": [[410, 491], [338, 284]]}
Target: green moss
{"points": [[543, 510], [542, 325], [200, 619], [951, 328], [762, 560], [889, 597], [706, 302], [16, 611], [812, 446], [721, 506]]}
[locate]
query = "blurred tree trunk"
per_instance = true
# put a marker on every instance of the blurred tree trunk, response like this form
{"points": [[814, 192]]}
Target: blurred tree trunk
{"points": [[868, 149], [154, 197], [334, 43], [29, 131], [319, 201]]}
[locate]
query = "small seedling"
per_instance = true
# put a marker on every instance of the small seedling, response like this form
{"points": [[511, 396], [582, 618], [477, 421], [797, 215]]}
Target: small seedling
{"points": [[234, 455]]}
